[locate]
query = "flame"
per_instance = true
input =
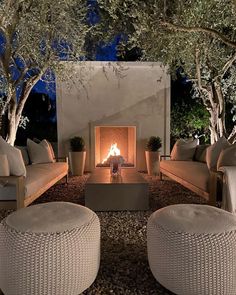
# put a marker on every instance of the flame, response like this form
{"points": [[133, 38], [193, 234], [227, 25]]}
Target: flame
{"points": [[114, 151]]}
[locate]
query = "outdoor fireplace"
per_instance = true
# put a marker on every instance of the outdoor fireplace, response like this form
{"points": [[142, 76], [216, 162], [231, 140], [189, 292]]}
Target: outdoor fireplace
{"points": [[118, 141], [138, 106]]}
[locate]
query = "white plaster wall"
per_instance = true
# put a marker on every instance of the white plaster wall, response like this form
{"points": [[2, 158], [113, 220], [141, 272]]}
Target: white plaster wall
{"points": [[141, 98]]}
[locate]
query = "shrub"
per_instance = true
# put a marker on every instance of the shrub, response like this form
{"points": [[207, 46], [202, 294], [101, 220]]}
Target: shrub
{"points": [[77, 144], [154, 144]]}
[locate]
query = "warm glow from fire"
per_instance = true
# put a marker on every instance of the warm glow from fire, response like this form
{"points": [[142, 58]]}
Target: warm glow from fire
{"points": [[114, 151]]}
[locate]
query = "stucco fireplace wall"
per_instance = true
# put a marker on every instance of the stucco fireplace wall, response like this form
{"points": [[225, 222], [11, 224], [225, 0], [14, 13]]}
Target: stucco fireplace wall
{"points": [[139, 97]]}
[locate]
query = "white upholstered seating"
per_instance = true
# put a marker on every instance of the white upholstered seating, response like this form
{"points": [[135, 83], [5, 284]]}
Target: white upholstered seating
{"points": [[51, 248], [38, 176], [192, 249], [229, 189]]}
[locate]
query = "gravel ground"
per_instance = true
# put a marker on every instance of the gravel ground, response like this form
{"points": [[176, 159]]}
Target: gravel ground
{"points": [[124, 267]]}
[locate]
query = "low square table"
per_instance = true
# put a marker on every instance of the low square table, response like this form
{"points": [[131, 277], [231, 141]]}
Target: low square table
{"points": [[126, 192]]}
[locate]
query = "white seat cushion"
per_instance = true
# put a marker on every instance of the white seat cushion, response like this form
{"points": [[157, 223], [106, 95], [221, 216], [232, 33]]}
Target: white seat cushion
{"points": [[193, 172], [37, 177], [41, 174]]}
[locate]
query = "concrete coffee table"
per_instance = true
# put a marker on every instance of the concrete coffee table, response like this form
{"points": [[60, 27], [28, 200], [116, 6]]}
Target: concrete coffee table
{"points": [[128, 192]]}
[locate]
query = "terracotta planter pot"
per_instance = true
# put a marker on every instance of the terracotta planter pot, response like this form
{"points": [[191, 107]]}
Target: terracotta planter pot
{"points": [[153, 162], [77, 162]]}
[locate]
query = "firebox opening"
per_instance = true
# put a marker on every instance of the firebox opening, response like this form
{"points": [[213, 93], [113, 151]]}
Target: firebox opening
{"points": [[119, 141]]}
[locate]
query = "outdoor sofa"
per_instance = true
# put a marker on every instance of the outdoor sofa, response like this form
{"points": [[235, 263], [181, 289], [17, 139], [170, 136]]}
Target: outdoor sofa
{"points": [[196, 167], [18, 191]]}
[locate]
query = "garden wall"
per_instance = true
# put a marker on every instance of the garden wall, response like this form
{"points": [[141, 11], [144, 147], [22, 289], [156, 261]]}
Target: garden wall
{"points": [[124, 94]]}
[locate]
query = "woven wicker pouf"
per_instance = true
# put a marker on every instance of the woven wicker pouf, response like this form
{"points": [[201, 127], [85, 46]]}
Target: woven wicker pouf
{"points": [[192, 249], [47, 249]]}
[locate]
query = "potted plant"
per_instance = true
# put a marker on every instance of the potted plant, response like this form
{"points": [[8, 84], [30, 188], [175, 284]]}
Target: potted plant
{"points": [[77, 155], [152, 155]]}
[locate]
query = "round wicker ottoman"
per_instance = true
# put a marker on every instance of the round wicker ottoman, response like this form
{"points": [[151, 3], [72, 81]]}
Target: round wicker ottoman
{"points": [[51, 248], [192, 249]]}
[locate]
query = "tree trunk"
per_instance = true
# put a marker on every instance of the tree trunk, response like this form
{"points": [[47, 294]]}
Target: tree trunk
{"points": [[232, 136], [213, 125], [219, 98], [12, 126], [217, 122], [15, 109], [213, 99]]}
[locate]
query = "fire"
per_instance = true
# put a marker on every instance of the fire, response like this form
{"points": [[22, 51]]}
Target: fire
{"points": [[114, 151]]}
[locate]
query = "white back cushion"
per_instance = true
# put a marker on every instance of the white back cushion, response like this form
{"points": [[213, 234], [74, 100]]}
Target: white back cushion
{"points": [[214, 151], [15, 159], [184, 150], [39, 152], [227, 157]]}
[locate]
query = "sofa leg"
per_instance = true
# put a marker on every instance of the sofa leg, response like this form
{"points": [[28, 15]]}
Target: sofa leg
{"points": [[161, 176], [67, 179], [213, 188]]}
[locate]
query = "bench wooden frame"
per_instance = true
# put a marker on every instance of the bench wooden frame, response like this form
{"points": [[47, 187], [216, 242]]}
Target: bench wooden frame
{"points": [[19, 182], [210, 196]]}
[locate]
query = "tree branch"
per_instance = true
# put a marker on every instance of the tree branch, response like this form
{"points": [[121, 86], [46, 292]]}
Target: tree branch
{"points": [[232, 136], [21, 77], [26, 91], [228, 64], [204, 92], [193, 29]]}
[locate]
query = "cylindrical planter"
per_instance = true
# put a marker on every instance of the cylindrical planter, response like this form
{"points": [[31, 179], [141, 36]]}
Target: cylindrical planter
{"points": [[77, 162], [153, 162]]}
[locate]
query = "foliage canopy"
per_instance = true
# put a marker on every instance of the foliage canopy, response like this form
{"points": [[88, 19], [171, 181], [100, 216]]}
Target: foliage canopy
{"points": [[35, 36], [198, 35]]}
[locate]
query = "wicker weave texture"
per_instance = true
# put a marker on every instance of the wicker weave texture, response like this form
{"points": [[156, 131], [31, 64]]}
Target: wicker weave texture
{"points": [[192, 264], [46, 264]]}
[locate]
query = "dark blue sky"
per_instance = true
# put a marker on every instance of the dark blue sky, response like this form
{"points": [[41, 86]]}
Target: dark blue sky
{"points": [[106, 52]]}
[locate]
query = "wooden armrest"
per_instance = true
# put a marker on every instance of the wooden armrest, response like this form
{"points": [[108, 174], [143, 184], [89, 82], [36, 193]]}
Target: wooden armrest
{"points": [[19, 182], [10, 179], [216, 173], [62, 159], [164, 156]]}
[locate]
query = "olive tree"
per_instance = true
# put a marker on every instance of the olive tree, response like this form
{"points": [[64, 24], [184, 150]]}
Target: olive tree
{"points": [[34, 37], [198, 35]]}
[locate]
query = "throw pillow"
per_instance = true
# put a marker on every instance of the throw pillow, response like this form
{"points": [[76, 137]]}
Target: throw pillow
{"points": [[184, 150], [214, 151], [227, 157], [200, 153], [15, 159], [39, 152], [4, 166], [24, 153], [48, 145], [51, 149], [36, 140]]}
